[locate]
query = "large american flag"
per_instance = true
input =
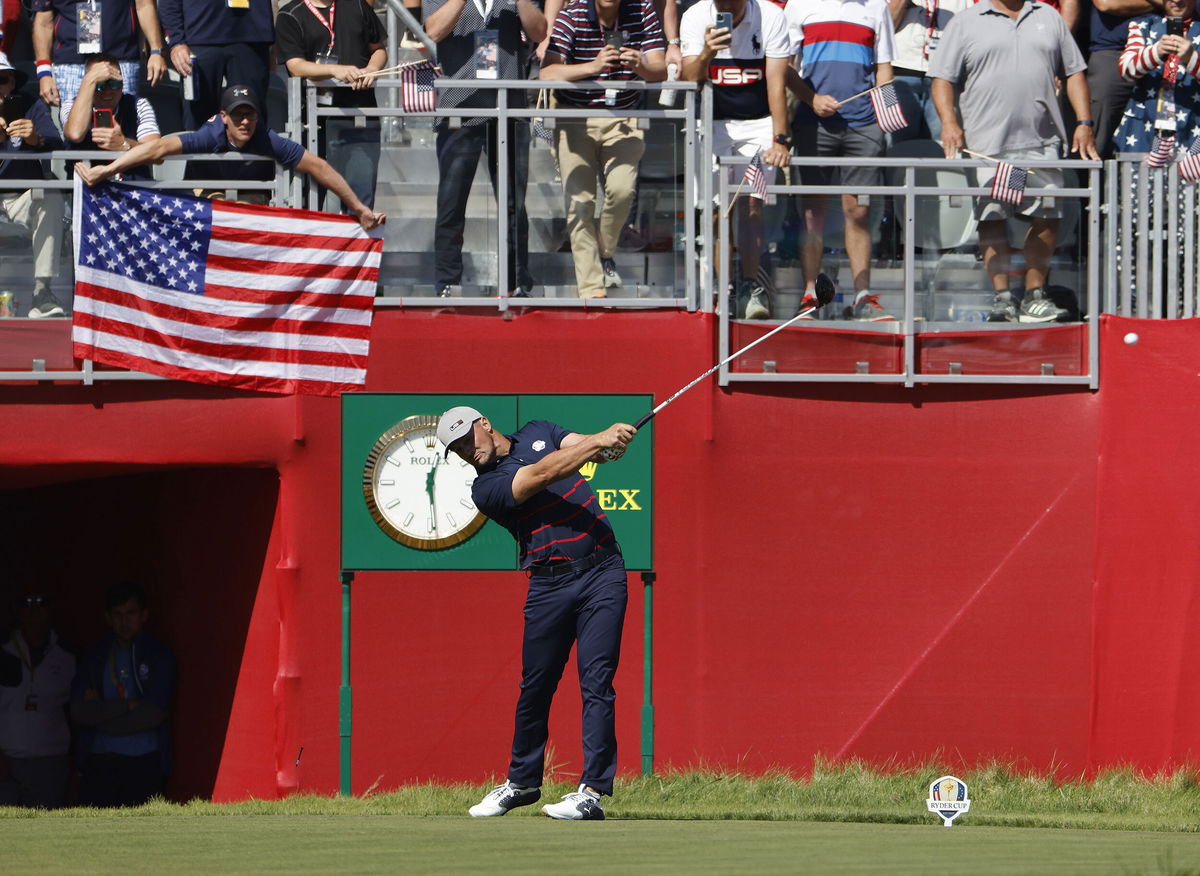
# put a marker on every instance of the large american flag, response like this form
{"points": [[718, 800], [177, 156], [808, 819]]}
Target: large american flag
{"points": [[1189, 165], [756, 177], [888, 112], [1008, 185], [259, 298], [417, 94]]}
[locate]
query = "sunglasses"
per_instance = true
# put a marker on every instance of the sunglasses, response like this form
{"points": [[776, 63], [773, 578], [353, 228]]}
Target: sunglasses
{"points": [[33, 601], [109, 85]]}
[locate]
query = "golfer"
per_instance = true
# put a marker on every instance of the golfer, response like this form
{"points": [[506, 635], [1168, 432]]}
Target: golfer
{"points": [[235, 129], [529, 483]]}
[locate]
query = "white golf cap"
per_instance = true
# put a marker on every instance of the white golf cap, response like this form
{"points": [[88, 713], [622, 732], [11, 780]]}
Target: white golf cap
{"points": [[455, 423]]}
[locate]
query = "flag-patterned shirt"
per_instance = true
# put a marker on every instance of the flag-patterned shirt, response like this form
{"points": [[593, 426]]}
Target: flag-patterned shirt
{"points": [[839, 45], [563, 522], [578, 37], [1139, 63], [739, 73]]}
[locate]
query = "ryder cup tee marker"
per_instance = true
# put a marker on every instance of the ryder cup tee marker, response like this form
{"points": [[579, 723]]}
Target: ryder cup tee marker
{"points": [[948, 799]]}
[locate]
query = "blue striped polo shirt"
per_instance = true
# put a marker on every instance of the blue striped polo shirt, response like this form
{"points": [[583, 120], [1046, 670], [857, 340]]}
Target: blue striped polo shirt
{"points": [[563, 522], [578, 38]]}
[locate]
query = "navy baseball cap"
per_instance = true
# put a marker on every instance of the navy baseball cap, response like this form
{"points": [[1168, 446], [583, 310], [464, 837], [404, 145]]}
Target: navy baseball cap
{"points": [[238, 95], [455, 423]]}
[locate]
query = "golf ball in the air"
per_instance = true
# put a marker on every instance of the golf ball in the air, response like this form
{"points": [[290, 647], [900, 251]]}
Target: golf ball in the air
{"points": [[1131, 338]]}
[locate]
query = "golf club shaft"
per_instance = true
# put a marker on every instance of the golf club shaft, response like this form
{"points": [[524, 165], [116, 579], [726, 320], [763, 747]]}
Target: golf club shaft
{"points": [[803, 313]]}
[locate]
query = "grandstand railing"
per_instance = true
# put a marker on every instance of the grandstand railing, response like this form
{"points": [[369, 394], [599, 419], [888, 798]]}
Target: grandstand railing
{"points": [[915, 348], [1132, 253]]}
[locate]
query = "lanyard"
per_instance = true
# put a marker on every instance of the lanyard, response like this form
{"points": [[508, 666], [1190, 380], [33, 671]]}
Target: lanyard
{"points": [[931, 10], [318, 17], [118, 683]]}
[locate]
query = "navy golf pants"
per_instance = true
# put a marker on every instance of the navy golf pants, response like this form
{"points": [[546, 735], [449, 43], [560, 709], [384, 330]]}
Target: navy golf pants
{"points": [[587, 608]]}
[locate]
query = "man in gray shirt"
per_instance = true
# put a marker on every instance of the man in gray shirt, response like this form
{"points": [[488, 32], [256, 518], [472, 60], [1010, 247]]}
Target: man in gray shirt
{"points": [[1004, 57]]}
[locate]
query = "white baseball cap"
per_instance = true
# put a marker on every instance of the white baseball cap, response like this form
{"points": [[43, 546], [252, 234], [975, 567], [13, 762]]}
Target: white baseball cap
{"points": [[455, 423]]}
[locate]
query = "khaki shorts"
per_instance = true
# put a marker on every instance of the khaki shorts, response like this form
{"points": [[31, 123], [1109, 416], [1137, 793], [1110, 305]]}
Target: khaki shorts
{"points": [[1041, 179]]}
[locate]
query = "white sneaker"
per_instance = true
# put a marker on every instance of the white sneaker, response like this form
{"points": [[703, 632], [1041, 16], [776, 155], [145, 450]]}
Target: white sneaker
{"points": [[581, 805], [1036, 307], [503, 798]]}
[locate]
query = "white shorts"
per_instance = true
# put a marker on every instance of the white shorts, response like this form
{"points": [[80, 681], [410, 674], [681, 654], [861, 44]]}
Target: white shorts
{"points": [[744, 137]]}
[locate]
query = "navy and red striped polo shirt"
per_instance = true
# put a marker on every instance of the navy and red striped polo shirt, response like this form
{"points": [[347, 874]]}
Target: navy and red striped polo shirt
{"points": [[578, 38], [563, 522]]}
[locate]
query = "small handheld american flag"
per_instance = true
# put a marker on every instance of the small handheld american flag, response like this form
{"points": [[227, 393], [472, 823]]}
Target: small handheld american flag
{"points": [[417, 94], [1161, 152], [756, 177], [886, 104], [1189, 165], [1008, 185]]}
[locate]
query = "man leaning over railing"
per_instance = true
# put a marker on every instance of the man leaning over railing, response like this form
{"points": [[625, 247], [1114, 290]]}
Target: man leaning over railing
{"points": [[236, 129], [325, 39], [1005, 58], [606, 40], [25, 130]]}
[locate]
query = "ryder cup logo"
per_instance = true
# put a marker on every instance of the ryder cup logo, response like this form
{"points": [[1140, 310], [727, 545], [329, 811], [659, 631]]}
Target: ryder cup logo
{"points": [[948, 799]]}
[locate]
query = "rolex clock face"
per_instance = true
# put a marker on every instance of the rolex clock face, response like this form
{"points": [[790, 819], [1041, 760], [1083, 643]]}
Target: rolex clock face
{"points": [[417, 497]]}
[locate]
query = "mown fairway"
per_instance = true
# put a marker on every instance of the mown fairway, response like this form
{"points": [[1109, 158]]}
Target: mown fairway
{"points": [[848, 818], [444, 844]]}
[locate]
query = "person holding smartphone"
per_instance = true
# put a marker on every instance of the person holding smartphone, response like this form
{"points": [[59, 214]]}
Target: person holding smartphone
{"points": [[1161, 60], [742, 48], [104, 117], [606, 41], [26, 130]]}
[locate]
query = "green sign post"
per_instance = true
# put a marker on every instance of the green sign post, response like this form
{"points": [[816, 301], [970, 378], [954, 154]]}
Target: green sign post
{"points": [[405, 508]]}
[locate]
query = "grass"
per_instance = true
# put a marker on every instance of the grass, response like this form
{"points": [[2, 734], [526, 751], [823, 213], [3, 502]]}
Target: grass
{"points": [[847, 818]]}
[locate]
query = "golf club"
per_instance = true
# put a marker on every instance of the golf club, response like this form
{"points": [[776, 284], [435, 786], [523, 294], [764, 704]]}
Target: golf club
{"points": [[824, 290]]}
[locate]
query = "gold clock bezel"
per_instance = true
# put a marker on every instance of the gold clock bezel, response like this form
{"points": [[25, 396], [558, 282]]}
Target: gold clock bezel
{"points": [[375, 458]]}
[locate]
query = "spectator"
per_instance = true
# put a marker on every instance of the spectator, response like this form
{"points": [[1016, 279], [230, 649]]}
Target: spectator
{"points": [[462, 29], [1110, 90], [748, 71], [104, 115], [1162, 68], [121, 699], [307, 34], [111, 27], [919, 25], [607, 40], [35, 738], [844, 49], [237, 130], [29, 131], [668, 18], [215, 42], [1005, 57]]}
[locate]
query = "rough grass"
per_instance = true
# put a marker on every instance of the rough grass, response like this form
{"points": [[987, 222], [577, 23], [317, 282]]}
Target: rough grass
{"points": [[1001, 795]]}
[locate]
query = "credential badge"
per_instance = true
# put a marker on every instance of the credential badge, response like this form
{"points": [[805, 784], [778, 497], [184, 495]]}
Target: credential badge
{"points": [[539, 445], [948, 799]]}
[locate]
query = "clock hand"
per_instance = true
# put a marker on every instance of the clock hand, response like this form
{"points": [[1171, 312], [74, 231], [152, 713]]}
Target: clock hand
{"points": [[429, 479]]}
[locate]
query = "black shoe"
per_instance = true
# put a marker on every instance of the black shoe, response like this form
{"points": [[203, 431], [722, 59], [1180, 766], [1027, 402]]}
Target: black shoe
{"points": [[45, 305]]}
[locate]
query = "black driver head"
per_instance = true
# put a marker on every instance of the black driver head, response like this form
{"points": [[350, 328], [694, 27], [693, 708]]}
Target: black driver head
{"points": [[824, 288]]}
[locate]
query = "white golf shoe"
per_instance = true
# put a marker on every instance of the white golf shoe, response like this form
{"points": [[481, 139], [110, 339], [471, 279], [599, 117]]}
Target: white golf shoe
{"points": [[503, 798], [581, 805]]}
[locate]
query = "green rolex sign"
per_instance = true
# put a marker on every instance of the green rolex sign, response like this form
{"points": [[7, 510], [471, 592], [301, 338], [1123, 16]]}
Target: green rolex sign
{"points": [[406, 507]]}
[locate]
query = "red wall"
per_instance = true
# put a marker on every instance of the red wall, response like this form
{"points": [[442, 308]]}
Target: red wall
{"points": [[847, 570]]}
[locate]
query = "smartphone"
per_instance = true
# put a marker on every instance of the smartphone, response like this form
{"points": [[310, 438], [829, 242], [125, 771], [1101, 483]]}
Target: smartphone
{"points": [[102, 118], [725, 20], [616, 38], [12, 108], [1175, 26]]}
